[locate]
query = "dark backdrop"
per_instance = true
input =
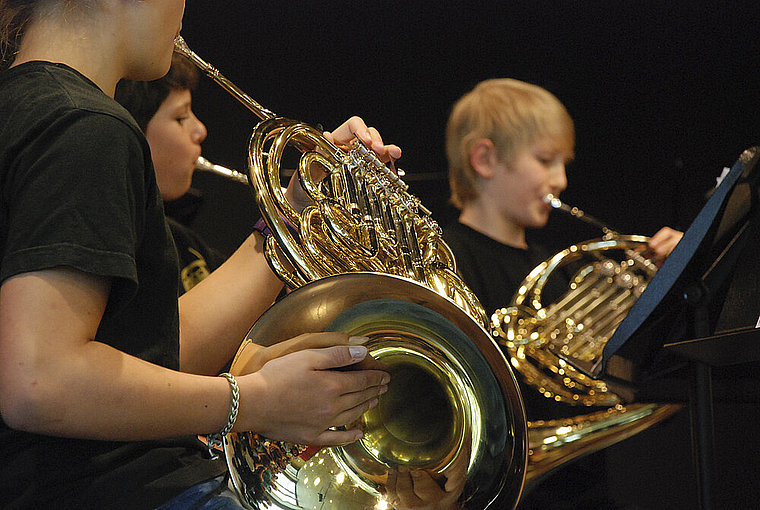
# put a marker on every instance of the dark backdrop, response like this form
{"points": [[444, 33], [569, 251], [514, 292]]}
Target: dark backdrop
{"points": [[663, 94]]}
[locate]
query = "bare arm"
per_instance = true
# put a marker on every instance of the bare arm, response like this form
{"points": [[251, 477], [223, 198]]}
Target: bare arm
{"points": [[216, 314], [56, 380]]}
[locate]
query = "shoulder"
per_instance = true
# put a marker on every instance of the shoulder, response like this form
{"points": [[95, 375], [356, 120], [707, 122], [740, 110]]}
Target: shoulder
{"points": [[44, 92], [459, 234], [56, 119]]}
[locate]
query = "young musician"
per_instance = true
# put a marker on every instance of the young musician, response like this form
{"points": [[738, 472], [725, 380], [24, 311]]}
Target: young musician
{"points": [[105, 379], [508, 143], [163, 110]]}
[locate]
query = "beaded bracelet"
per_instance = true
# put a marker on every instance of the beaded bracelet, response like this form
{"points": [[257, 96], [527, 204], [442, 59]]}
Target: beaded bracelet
{"points": [[217, 440], [262, 227]]}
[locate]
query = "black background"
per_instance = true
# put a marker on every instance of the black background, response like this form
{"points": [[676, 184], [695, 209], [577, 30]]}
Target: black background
{"points": [[663, 94]]}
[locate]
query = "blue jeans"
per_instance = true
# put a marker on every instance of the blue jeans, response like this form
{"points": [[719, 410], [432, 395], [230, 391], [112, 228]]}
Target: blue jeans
{"points": [[211, 495]]}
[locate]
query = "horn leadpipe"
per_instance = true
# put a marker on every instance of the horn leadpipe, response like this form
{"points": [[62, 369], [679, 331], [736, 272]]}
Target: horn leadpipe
{"points": [[362, 153], [180, 46], [556, 203], [207, 166]]}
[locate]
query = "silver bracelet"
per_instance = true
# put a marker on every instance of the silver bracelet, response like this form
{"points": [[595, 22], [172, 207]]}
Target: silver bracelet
{"points": [[217, 440]]}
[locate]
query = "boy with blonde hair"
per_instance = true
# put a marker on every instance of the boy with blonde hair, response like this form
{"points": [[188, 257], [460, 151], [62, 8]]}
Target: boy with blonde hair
{"points": [[507, 144]]}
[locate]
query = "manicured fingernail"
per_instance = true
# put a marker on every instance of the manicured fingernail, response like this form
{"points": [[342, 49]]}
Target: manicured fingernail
{"points": [[358, 352], [358, 340], [373, 403], [386, 379], [383, 389]]}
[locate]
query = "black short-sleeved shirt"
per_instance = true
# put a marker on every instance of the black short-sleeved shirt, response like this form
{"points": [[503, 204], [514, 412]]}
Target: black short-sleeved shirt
{"points": [[196, 258], [494, 272], [77, 189]]}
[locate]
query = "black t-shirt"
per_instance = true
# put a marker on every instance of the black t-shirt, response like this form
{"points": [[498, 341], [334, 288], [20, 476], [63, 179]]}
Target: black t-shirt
{"points": [[494, 272], [77, 189], [196, 258]]}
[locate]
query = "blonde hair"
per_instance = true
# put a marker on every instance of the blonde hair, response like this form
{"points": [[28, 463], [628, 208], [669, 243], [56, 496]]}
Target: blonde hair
{"points": [[510, 113]]}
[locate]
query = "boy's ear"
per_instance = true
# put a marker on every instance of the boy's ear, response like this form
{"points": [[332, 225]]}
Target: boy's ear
{"points": [[483, 157]]}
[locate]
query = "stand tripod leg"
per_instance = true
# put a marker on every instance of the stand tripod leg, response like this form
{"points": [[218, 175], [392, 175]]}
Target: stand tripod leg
{"points": [[702, 433]]}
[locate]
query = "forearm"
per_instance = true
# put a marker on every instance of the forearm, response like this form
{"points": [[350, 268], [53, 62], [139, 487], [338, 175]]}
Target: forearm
{"points": [[218, 312], [97, 392]]}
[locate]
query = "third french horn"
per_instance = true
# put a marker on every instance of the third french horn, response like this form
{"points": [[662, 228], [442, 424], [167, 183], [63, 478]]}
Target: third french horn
{"points": [[550, 343]]}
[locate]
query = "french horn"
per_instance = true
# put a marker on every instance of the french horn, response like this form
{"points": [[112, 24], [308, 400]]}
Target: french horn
{"points": [[368, 259], [553, 443], [551, 344]]}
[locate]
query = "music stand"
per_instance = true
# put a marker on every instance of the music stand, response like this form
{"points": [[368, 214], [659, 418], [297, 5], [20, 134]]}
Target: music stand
{"points": [[684, 301]]}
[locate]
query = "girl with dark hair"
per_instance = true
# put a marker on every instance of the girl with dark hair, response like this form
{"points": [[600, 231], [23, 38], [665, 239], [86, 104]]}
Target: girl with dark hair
{"points": [[105, 379]]}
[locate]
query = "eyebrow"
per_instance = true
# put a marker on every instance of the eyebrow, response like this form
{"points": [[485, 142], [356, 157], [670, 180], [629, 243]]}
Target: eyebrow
{"points": [[184, 106]]}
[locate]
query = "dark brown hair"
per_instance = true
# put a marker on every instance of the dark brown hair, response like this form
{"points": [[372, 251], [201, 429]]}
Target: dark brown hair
{"points": [[143, 98]]}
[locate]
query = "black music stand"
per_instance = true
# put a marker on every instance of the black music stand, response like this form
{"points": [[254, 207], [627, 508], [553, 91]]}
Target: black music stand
{"points": [[681, 317]]}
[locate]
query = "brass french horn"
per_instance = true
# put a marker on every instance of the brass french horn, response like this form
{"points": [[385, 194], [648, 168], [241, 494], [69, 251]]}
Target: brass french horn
{"points": [[550, 344], [368, 259], [557, 442]]}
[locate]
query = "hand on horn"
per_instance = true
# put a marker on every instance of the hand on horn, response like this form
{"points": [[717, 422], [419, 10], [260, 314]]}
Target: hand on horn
{"points": [[663, 242], [299, 397], [416, 489], [342, 136], [355, 127], [254, 356]]}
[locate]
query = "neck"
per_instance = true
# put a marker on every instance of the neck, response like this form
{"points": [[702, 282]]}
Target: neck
{"points": [[486, 219], [88, 47]]}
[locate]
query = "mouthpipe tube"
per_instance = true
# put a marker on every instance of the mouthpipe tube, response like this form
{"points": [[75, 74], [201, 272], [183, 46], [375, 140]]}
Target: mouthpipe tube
{"points": [[207, 166], [556, 203]]}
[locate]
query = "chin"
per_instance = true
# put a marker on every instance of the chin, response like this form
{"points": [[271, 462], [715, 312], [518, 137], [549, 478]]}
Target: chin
{"points": [[150, 73], [540, 222]]}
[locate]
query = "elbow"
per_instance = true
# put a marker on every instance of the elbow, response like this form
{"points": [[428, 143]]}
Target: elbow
{"points": [[25, 405], [16, 416]]}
